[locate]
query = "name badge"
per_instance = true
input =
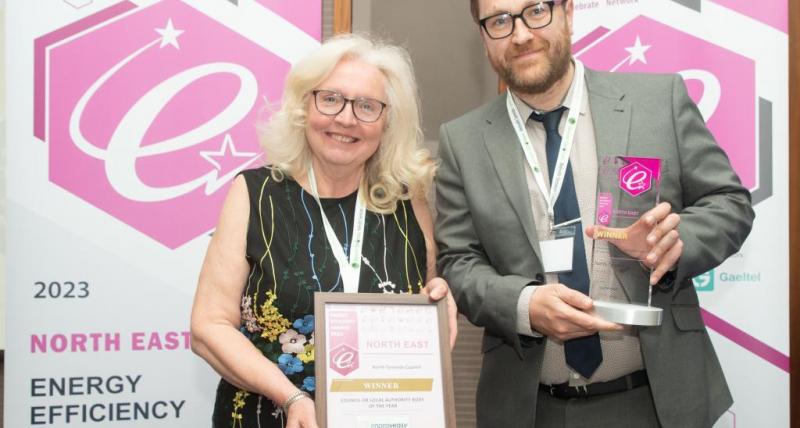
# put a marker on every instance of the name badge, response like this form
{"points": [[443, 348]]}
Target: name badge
{"points": [[557, 252]]}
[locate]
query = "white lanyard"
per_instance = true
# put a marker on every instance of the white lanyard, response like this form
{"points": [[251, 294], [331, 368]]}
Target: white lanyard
{"points": [[560, 170], [349, 270]]}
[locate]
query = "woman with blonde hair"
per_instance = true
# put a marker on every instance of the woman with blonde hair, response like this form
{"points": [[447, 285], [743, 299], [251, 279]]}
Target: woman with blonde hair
{"points": [[341, 208]]}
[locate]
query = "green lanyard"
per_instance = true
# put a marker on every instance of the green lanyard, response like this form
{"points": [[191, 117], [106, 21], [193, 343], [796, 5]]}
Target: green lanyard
{"points": [[349, 269], [560, 170]]}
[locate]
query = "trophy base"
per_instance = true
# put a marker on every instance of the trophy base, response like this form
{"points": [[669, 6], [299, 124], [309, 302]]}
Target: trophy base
{"points": [[628, 314]]}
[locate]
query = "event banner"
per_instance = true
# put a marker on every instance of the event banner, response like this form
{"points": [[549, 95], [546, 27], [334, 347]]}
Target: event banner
{"points": [[733, 56], [127, 121]]}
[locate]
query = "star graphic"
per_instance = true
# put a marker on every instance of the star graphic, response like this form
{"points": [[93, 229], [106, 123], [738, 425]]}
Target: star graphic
{"points": [[637, 52], [227, 163], [227, 160], [169, 35]]}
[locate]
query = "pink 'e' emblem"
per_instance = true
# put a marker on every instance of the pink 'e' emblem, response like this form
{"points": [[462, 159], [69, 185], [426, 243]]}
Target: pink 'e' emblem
{"points": [[635, 179], [343, 337], [344, 359], [149, 112]]}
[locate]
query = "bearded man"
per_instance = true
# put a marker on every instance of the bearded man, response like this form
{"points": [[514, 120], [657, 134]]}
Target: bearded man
{"points": [[548, 360]]}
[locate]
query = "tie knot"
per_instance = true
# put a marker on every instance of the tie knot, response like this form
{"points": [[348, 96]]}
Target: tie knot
{"points": [[550, 119]]}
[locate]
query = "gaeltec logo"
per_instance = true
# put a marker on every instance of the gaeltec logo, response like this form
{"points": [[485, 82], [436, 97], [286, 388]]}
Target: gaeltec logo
{"points": [[704, 282], [149, 112]]}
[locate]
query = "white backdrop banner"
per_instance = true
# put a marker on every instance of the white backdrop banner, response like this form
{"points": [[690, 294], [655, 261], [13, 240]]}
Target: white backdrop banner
{"points": [[127, 120], [733, 57]]}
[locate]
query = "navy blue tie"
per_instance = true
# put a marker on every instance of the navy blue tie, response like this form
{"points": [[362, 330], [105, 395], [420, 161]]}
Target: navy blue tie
{"points": [[582, 354]]}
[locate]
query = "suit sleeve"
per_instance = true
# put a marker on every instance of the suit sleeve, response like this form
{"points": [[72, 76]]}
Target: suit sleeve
{"points": [[487, 298], [717, 214]]}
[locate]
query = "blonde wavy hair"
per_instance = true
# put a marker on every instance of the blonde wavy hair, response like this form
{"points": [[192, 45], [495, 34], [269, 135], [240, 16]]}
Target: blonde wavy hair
{"points": [[400, 169]]}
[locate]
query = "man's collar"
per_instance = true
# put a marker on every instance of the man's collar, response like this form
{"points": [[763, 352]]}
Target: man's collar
{"points": [[525, 110]]}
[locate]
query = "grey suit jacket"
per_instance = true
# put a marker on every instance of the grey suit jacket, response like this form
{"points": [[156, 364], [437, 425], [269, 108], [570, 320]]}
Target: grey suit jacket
{"points": [[488, 249]]}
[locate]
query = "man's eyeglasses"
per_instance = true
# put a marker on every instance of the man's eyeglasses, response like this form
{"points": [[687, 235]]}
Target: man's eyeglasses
{"points": [[331, 103], [534, 16]]}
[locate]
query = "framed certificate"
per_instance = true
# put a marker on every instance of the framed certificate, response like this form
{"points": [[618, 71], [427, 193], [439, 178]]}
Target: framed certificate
{"points": [[382, 361]]}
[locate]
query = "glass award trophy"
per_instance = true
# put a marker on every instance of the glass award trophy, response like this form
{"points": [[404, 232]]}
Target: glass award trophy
{"points": [[627, 187]]}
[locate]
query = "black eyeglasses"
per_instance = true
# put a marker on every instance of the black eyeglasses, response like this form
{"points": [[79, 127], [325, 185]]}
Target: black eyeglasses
{"points": [[534, 16], [331, 103]]}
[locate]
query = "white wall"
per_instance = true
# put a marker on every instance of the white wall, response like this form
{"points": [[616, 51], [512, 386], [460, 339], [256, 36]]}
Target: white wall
{"points": [[2, 174], [453, 77]]}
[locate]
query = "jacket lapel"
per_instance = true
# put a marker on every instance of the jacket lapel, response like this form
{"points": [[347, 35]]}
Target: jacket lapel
{"points": [[611, 115], [508, 161]]}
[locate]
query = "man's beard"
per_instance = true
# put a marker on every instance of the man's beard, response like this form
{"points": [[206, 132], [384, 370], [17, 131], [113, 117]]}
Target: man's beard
{"points": [[556, 66]]}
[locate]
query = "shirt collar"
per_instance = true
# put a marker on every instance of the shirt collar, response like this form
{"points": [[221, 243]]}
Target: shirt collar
{"points": [[525, 110]]}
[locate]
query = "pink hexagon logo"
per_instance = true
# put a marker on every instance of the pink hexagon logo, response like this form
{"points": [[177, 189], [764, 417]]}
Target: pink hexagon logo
{"points": [[720, 81], [150, 112], [635, 179], [343, 359]]}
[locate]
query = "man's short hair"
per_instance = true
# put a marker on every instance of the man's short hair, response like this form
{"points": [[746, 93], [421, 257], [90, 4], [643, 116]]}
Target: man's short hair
{"points": [[473, 7]]}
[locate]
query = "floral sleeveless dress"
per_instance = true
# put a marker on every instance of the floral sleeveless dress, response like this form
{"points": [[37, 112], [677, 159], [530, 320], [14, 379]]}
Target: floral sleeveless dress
{"points": [[290, 260]]}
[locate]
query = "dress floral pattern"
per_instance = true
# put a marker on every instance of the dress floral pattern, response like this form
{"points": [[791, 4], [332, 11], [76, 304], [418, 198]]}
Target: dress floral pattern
{"points": [[290, 260]]}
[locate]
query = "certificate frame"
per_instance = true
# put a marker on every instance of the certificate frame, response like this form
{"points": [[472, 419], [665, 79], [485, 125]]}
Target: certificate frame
{"points": [[445, 369]]}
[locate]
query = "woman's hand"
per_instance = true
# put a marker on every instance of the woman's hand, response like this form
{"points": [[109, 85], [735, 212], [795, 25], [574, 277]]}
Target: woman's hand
{"points": [[302, 414], [437, 289]]}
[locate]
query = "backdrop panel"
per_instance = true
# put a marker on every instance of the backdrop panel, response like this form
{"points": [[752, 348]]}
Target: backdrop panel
{"points": [[127, 121], [733, 57]]}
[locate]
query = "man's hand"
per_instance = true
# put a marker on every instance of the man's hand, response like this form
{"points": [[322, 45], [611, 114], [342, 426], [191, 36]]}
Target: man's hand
{"points": [[653, 239], [437, 289], [558, 311]]}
